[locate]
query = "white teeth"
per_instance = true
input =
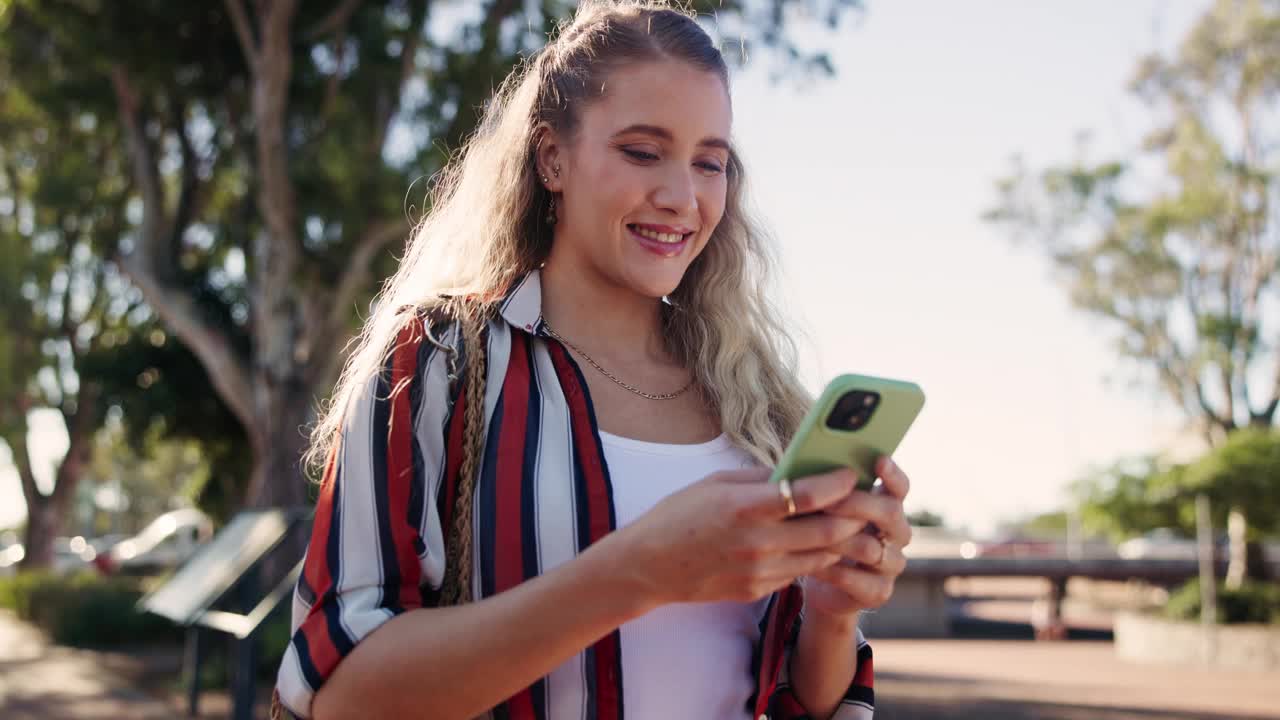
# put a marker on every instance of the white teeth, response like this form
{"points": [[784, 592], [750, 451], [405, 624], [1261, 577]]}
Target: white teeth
{"points": [[668, 238]]}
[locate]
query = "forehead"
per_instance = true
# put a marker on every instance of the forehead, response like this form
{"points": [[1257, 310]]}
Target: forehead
{"points": [[692, 104]]}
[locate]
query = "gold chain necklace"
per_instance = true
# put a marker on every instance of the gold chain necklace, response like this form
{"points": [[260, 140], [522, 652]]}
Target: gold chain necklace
{"points": [[611, 376]]}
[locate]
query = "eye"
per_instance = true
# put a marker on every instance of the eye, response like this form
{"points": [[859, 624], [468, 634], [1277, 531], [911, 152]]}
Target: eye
{"points": [[711, 167], [640, 155]]}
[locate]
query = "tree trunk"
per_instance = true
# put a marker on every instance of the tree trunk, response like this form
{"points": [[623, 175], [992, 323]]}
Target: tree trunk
{"points": [[47, 514], [279, 440], [278, 481], [1247, 560], [42, 527]]}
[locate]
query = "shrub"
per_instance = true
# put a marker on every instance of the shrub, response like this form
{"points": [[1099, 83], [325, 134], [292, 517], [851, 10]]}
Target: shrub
{"points": [[1253, 602], [85, 610]]}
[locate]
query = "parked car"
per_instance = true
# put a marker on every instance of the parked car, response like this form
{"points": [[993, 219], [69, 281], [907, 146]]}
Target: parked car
{"points": [[1020, 546], [11, 553], [72, 554], [163, 544], [1164, 544]]}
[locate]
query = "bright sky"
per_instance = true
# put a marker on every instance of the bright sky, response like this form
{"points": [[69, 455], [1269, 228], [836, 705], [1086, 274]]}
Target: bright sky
{"points": [[874, 183]]}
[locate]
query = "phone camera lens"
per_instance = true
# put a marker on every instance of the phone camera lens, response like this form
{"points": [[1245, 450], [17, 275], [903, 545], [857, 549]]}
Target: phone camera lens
{"points": [[853, 410]]}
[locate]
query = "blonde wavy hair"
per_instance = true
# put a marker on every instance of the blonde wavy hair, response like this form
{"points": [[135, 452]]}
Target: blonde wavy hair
{"points": [[485, 230]]}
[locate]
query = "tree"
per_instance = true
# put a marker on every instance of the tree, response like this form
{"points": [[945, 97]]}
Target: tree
{"points": [[1133, 496], [62, 306], [1137, 496], [76, 335], [925, 518], [138, 484], [1048, 524], [270, 145], [1182, 261], [1242, 472]]}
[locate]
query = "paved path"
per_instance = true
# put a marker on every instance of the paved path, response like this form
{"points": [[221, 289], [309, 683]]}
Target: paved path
{"points": [[915, 680], [43, 682], [1017, 680]]}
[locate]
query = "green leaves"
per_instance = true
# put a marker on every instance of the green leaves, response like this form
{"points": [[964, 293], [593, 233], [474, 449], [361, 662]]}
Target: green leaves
{"points": [[1242, 473], [1178, 245], [1131, 497], [137, 135]]}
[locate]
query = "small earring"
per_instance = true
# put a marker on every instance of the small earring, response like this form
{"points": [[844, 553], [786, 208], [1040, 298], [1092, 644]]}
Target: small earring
{"points": [[545, 180], [551, 211], [556, 170]]}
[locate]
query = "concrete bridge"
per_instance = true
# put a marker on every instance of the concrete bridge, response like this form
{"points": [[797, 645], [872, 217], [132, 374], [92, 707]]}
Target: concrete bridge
{"points": [[919, 604]]}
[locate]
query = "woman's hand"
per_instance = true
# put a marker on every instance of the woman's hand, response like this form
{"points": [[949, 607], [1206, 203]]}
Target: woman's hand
{"points": [[728, 537], [871, 560]]}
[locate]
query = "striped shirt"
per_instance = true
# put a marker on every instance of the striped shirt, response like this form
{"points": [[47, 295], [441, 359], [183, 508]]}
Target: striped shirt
{"points": [[542, 495]]}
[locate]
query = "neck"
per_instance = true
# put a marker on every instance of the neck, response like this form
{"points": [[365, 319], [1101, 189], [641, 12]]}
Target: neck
{"points": [[600, 316]]}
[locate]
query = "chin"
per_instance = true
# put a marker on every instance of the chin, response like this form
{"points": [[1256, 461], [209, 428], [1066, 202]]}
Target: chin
{"points": [[656, 285]]}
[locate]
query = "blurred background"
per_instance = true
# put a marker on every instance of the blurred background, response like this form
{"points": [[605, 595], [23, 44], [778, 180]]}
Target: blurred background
{"points": [[1060, 218]]}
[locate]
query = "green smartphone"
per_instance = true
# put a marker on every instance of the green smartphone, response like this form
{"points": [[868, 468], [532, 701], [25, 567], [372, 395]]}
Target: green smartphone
{"points": [[856, 420]]}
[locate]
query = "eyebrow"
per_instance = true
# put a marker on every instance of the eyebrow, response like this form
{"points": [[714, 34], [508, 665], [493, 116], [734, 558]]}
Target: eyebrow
{"points": [[665, 134]]}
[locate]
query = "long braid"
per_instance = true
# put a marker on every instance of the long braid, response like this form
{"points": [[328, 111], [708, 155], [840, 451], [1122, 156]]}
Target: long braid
{"points": [[458, 566]]}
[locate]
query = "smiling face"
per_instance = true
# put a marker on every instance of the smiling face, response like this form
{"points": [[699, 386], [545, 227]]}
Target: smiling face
{"points": [[642, 179]]}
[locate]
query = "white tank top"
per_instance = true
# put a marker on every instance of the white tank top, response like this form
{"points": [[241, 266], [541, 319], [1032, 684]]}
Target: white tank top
{"points": [[686, 660]]}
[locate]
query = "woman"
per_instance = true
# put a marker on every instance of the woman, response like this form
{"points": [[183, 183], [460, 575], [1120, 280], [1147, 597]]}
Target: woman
{"points": [[545, 492]]}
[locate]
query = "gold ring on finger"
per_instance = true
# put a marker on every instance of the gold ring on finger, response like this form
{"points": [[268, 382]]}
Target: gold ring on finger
{"points": [[784, 489], [884, 548]]}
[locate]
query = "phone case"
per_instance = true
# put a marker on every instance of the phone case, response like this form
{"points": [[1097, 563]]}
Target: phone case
{"points": [[817, 448]]}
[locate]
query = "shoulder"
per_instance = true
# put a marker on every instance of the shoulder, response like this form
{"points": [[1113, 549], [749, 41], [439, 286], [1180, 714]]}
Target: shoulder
{"points": [[424, 355]]}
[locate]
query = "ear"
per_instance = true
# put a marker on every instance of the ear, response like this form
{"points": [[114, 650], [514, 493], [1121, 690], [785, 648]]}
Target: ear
{"points": [[549, 158]]}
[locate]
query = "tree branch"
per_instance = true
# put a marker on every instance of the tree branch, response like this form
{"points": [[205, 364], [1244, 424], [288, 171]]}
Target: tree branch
{"points": [[176, 308], [354, 279], [280, 336], [270, 98], [186, 208], [17, 442], [408, 55], [465, 117], [145, 173], [228, 373], [80, 427], [335, 80], [240, 21], [333, 22]]}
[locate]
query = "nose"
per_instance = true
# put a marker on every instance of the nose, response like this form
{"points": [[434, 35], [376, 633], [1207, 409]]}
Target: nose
{"points": [[677, 193]]}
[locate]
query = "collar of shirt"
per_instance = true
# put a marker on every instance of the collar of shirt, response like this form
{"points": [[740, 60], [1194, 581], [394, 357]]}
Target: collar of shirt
{"points": [[522, 308]]}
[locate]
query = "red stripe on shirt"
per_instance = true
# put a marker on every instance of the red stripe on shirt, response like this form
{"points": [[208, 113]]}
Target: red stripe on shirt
{"points": [[782, 615], [404, 372], [321, 648], [509, 534], [865, 676]]}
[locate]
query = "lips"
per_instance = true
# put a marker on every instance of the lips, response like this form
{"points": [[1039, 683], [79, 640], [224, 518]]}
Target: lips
{"points": [[660, 240]]}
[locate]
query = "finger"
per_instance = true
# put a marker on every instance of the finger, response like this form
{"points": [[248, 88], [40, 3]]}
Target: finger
{"points": [[865, 550], [789, 566], [745, 476], [812, 532], [764, 501], [866, 589], [883, 511], [894, 481]]}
